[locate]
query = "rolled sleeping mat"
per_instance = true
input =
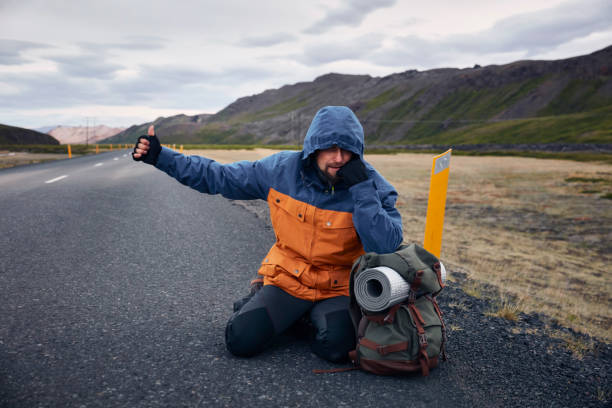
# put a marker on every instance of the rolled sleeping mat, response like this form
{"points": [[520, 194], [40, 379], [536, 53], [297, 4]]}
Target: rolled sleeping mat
{"points": [[379, 288]]}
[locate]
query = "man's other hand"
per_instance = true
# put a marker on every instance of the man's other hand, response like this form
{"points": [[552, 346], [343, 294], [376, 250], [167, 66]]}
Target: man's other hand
{"points": [[353, 172], [147, 148]]}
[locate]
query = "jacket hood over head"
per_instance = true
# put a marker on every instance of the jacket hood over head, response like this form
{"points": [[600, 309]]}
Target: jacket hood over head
{"points": [[334, 125]]}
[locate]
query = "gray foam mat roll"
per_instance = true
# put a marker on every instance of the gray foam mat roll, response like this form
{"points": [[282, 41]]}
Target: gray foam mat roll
{"points": [[379, 288]]}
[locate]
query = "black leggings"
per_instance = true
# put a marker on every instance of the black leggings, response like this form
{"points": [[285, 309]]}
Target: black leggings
{"points": [[271, 311]]}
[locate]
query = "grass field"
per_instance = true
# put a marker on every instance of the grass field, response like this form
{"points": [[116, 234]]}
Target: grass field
{"points": [[538, 230]]}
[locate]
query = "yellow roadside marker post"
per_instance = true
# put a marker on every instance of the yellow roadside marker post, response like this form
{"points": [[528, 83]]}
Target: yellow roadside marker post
{"points": [[69, 152], [437, 203], [111, 147], [97, 149], [181, 148]]}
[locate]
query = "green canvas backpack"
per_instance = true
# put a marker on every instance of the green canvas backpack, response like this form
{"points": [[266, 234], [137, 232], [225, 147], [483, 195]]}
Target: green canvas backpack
{"points": [[408, 336]]}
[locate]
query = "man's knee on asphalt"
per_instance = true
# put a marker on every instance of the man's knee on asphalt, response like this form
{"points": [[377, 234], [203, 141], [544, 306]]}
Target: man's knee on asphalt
{"points": [[247, 334], [268, 313]]}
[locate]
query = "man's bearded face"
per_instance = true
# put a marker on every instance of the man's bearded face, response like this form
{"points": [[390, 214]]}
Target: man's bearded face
{"points": [[331, 160]]}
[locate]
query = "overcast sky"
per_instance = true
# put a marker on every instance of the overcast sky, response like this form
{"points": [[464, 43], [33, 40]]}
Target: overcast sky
{"points": [[124, 62]]}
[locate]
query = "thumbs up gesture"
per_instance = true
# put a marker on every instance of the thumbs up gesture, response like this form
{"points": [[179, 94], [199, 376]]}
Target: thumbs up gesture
{"points": [[147, 148]]}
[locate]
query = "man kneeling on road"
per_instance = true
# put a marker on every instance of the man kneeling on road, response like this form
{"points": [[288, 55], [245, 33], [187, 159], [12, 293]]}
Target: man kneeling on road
{"points": [[327, 207]]}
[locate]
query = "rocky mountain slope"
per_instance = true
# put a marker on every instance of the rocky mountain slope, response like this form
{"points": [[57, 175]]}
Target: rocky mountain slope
{"points": [[179, 128], [564, 101], [12, 135], [83, 134]]}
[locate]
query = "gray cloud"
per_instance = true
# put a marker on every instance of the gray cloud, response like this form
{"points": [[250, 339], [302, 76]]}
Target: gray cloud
{"points": [[45, 90], [353, 49], [183, 87], [155, 80], [134, 43], [10, 51], [527, 33], [351, 13], [86, 66], [267, 40], [79, 82], [96, 61], [542, 30]]}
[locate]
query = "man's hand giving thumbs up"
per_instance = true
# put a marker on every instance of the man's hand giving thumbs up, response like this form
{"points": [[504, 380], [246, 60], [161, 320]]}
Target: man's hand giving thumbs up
{"points": [[147, 148]]}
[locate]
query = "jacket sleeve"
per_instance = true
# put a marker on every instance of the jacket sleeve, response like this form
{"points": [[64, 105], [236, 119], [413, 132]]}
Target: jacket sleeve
{"points": [[242, 180], [375, 217]]}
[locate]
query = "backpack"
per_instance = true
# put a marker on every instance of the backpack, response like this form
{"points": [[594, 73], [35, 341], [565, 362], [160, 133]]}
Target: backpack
{"points": [[408, 336]]}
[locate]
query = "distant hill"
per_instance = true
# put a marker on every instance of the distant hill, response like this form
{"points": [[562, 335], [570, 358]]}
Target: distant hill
{"points": [[15, 135], [45, 129], [182, 128], [83, 134], [562, 101]]}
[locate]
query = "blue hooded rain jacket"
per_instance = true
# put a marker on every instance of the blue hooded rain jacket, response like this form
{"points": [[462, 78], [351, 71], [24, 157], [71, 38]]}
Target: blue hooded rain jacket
{"points": [[320, 230]]}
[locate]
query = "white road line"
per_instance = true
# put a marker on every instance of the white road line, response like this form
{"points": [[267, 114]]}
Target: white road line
{"points": [[98, 164], [116, 158], [56, 179]]}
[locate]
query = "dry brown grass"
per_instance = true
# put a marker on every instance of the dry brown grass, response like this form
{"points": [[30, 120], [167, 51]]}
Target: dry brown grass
{"points": [[506, 309], [579, 347], [523, 225], [228, 156], [12, 159]]}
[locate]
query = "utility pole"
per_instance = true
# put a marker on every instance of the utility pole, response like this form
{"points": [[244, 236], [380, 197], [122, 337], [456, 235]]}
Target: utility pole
{"points": [[87, 132], [292, 125], [295, 126], [299, 129]]}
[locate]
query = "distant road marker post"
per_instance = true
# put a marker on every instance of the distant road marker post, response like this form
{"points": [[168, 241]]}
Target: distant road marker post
{"points": [[436, 204], [69, 152]]}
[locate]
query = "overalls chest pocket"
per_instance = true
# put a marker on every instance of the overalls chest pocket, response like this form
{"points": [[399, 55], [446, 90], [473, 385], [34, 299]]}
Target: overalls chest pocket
{"points": [[336, 238], [290, 222]]}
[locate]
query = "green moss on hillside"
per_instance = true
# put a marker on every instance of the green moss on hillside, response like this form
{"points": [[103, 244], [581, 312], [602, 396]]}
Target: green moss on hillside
{"points": [[281, 108], [470, 105], [398, 114], [382, 98], [588, 127], [578, 96], [214, 135]]}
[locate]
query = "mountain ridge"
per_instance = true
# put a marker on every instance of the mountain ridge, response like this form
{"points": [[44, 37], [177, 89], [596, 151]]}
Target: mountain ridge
{"points": [[526, 101]]}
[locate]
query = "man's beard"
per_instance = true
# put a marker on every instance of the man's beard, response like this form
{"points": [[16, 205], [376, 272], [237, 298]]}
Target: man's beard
{"points": [[327, 177]]}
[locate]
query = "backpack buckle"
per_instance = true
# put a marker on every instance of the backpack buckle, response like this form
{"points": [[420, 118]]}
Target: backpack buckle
{"points": [[382, 350], [422, 339]]}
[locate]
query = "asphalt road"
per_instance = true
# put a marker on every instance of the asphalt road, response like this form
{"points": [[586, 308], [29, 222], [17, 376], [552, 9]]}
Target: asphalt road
{"points": [[116, 283]]}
